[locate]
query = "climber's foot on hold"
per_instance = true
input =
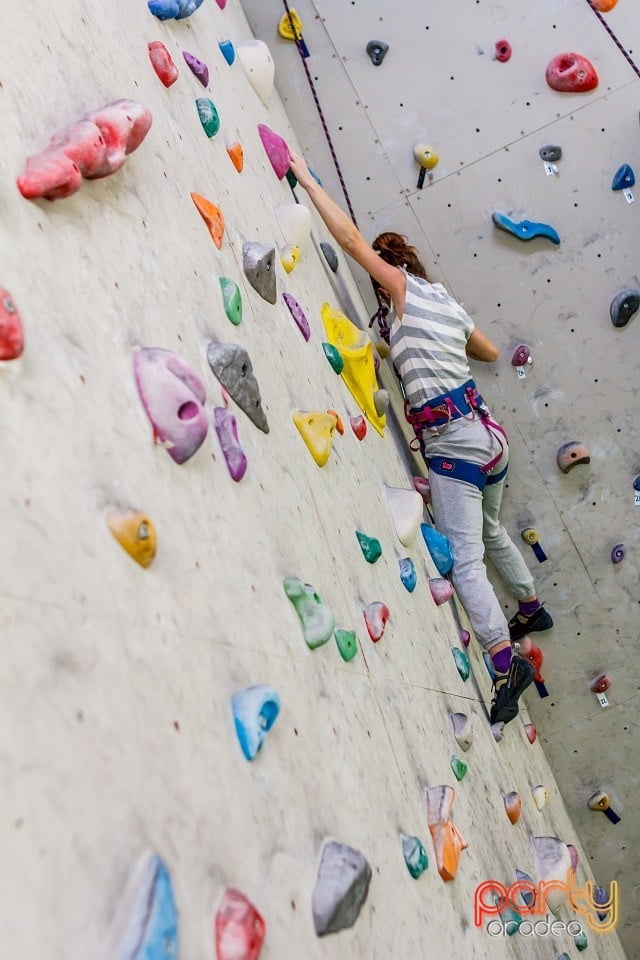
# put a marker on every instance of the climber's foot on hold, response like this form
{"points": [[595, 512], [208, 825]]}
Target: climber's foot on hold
{"points": [[521, 624], [508, 689]]}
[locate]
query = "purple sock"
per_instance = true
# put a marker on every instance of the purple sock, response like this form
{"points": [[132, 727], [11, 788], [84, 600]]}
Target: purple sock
{"points": [[501, 660], [527, 607]]}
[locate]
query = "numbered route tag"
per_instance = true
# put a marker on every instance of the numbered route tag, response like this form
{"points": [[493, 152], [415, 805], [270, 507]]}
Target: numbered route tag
{"points": [[629, 197], [602, 700]]}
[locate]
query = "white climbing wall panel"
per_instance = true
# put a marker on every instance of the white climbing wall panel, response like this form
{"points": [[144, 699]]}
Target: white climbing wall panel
{"points": [[440, 84], [117, 734]]}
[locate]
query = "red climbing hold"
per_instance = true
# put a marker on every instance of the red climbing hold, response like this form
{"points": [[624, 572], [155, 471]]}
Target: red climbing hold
{"points": [[11, 336], [571, 73], [422, 485], [601, 684], [162, 63], [503, 50], [376, 615], [239, 928], [531, 732], [359, 426]]}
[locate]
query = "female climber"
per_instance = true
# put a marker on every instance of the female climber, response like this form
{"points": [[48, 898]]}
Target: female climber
{"points": [[431, 338]]}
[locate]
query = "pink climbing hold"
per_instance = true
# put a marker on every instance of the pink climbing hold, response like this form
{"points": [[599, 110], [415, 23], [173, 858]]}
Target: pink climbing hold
{"points": [[239, 928], [465, 637], [173, 397], [359, 426], [573, 853], [503, 50], [422, 485], [571, 73], [198, 68], [277, 150], [162, 63], [376, 615], [227, 430], [441, 589], [11, 335], [96, 146], [221, 3], [531, 732]]}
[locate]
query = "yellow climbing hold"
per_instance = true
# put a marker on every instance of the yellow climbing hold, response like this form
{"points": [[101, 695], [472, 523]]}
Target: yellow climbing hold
{"points": [[135, 533], [540, 796], [289, 256], [290, 26], [358, 373], [425, 156], [317, 430]]}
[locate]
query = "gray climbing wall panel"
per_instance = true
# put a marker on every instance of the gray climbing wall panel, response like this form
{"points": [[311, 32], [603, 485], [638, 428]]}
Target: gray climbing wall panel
{"points": [[440, 84], [117, 680]]}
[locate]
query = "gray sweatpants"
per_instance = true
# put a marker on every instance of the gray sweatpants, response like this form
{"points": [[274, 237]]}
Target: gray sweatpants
{"points": [[470, 519]]}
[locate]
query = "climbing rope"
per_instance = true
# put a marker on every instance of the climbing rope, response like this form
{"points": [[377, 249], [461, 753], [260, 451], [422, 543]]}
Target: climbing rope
{"points": [[622, 50], [302, 50]]}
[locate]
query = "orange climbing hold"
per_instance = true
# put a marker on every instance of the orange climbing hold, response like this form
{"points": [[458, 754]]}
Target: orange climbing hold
{"points": [[212, 216], [135, 533], [603, 6], [339, 423], [236, 153], [448, 843], [513, 806]]}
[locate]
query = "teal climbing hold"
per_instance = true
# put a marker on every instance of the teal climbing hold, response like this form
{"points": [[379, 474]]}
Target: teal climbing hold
{"points": [[525, 229], [334, 357], [461, 661], [347, 644], [408, 573], [208, 116], [458, 766], [580, 941], [624, 178], [316, 618], [370, 546], [232, 300], [415, 856], [439, 548], [488, 662]]}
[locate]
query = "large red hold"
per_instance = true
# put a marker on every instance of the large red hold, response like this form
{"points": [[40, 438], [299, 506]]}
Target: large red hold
{"points": [[11, 336], [239, 928], [571, 73]]}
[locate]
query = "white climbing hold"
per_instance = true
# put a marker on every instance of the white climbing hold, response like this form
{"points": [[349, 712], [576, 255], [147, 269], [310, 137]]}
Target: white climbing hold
{"points": [[406, 509], [294, 221], [255, 57], [462, 729], [552, 860]]}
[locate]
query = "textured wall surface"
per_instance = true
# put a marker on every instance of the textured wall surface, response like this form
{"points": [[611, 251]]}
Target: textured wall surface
{"points": [[440, 84], [117, 734]]}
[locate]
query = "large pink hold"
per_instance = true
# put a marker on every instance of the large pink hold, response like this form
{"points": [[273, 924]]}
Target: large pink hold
{"points": [[227, 430], [571, 73], [96, 146], [173, 397], [239, 928], [376, 615], [277, 150], [441, 589]]}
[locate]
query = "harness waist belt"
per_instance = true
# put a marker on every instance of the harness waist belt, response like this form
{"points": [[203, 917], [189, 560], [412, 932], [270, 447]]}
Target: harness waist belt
{"points": [[449, 406]]}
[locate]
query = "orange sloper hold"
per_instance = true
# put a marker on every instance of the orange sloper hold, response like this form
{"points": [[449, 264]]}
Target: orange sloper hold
{"points": [[236, 153], [448, 843], [212, 216], [603, 6]]}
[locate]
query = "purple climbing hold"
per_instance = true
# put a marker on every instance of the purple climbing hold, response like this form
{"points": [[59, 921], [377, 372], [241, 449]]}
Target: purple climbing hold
{"points": [[618, 553], [173, 397], [521, 355], [227, 430], [298, 315], [198, 68]]}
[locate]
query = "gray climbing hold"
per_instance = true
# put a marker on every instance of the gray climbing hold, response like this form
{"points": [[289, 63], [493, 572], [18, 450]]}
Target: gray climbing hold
{"points": [[258, 263], [231, 365], [462, 730], [377, 51], [330, 255], [550, 153], [381, 401], [623, 306], [340, 889]]}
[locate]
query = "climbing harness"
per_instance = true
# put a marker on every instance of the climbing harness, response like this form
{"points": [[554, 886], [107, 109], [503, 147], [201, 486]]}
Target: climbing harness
{"points": [[435, 416]]}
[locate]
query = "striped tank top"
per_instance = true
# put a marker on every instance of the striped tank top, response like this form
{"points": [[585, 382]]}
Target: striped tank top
{"points": [[428, 344]]}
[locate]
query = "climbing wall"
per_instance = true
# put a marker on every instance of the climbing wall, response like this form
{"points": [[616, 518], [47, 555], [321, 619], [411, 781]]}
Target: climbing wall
{"points": [[466, 80], [208, 749]]}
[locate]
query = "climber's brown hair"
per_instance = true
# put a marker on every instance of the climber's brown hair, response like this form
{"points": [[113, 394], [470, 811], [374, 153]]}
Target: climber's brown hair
{"points": [[394, 249]]}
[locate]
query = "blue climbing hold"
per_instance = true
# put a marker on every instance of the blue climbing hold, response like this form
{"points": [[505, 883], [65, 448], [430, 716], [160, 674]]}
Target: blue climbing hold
{"points": [[439, 548], [408, 573], [173, 9], [488, 662], [623, 178], [254, 713], [527, 898], [525, 229], [227, 50], [152, 929]]}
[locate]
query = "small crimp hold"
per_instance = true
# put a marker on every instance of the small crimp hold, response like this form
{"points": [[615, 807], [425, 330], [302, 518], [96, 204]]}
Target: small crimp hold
{"points": [[623, 306], [601, 684], [540, 796], [531, 732], [521, 355], [298, 314], [376, 615], [618, 553], [624, 178], [377, 51], [236, 155], [459, 768], [503, 50], [358, 425], [550, 153], [524, 229], [255, 711], [227, 431], [198, 68], [330, 255], [11, 333], [570, 454], [212, 216], [408, 574], [232, 300], [465, 637], [461, 660], [315, 616], [135, 533], [423, 487]]}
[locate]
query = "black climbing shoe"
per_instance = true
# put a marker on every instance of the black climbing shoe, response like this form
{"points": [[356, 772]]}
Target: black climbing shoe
{"points": [[520, 626], [505, 702]]}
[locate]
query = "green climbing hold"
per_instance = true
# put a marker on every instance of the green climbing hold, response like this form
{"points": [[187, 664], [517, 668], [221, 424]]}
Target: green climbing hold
{"points": [[347, 643], [232, 300], [581, 941], [461, 662], [415, 856], [208, 116], [370, 547], [316, 618], [459, 768], [333, 356]]}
